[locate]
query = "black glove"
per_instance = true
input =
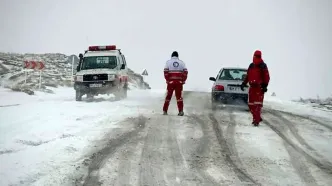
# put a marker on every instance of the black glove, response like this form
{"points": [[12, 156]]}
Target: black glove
{"points": [[264, 88], [242, 86]]}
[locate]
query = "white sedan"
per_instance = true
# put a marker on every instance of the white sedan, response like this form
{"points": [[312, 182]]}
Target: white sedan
{"points": [[226, 88]]}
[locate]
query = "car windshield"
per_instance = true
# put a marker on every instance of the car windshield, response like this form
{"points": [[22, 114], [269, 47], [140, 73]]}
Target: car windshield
{"points": [[233, 74], [94, 62]]}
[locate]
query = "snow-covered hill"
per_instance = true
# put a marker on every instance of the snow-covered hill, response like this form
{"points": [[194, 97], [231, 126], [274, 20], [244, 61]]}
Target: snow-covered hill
{"points": [[57, 72]]}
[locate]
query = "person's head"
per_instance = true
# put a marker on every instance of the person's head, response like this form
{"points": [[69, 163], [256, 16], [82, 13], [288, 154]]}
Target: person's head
{"points": [[175, 54], [257, 58]]}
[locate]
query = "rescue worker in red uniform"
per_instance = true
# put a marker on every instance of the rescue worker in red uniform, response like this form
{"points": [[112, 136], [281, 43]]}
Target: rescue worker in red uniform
{"points": [[175, 73], [258, 78]]}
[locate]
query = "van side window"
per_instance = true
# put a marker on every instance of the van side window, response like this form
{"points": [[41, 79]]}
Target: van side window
{"points": [[120, 61]]}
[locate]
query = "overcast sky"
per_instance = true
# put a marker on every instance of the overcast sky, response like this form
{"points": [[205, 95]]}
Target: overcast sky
{"points": [[294, 36]]}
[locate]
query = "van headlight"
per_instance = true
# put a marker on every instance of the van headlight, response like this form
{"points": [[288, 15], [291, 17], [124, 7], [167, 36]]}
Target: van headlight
{"points": [[111, 76], [79, 78]]}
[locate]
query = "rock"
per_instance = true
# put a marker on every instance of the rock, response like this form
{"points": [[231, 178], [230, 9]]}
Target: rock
{"points": [[23, 89], [47, 91], [29, 92], [51, 84]]}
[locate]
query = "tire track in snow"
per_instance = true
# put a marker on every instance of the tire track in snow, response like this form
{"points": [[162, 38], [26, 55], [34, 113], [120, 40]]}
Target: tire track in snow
{"points": [[164, 161], [294, 131], [98, 159], [152, 157], [176, 158], [301, 169], [201, 155], [295, 156], [303, 117], [181, 173], [324, 166], [121, 168], [226, 144], [228, 149], [126, 169], [12, 105], [205, 158]]}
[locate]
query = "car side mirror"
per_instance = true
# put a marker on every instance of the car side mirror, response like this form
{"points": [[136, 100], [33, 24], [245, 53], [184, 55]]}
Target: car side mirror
{"points": [[123, 66], [212, 79]]}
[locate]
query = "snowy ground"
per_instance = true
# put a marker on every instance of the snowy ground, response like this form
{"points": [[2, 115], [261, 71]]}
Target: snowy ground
{"points": [[43, 136], [50, 139]]}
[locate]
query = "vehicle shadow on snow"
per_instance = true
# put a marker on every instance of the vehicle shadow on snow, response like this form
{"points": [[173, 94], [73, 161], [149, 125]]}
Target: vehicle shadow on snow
{"points": [[233, 105]]}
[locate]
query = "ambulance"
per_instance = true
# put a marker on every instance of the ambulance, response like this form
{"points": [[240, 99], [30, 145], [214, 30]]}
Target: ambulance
{"points": [[101, 70]]}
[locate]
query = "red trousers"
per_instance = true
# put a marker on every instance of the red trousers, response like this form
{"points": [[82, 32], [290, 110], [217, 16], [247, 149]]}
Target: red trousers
{"points": [[178, 87], [255, 103]]}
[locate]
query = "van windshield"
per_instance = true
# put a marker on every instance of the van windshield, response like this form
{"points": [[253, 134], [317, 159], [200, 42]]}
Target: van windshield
{"points": [[95, 62]]}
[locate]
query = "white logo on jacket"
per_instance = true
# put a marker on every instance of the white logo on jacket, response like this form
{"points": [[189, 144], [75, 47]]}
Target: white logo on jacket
{"points": [[175, 70], [175, 64]]}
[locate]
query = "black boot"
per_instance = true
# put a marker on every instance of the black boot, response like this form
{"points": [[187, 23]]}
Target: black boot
{"points": [[181, 113]]}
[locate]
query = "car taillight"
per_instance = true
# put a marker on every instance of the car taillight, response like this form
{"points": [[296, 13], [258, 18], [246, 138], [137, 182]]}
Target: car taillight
{"points": [[219, 88]]}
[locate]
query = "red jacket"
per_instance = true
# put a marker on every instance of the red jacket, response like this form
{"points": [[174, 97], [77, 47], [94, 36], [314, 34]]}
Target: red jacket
{"points": [[257, 73], [175, 71]]}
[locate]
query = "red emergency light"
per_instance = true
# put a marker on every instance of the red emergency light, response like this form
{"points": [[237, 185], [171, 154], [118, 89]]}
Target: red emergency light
{"points": [[100, 48]]}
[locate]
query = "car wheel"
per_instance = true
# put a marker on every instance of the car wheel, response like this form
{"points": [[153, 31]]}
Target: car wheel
{"points": [[213, 105], [78, 95], [89, 96], [125, 89], [121, 93], [224, 101]]}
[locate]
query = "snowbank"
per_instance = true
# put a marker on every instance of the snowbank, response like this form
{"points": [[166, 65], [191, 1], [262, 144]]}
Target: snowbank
{"points": [[296, 107]]}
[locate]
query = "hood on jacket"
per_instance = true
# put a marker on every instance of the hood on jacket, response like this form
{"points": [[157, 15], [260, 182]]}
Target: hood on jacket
{"points": [[257, 58]]}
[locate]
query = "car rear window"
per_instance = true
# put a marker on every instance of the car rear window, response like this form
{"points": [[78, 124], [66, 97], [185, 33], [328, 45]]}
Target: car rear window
{"points": [[233, 74]]}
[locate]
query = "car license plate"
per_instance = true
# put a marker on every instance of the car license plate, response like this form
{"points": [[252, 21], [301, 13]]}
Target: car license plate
{"points": [[234, 88], [95, 85]]}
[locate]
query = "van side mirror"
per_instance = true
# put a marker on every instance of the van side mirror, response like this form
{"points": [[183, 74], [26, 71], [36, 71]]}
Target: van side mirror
{"points": [[78, 68], [212, 79], [123, 66]]}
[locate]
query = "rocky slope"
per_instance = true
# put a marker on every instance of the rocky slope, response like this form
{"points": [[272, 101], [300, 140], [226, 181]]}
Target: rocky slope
{"points": [[57, 72]]}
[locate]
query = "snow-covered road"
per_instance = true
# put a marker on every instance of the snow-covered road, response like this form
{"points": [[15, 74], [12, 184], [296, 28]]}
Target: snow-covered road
{"points": [[44, 137], [50, 139]]}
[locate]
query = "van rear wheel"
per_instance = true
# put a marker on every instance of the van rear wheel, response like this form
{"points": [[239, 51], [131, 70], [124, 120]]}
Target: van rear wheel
{"points": [[125, 89], [78, 95]]}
